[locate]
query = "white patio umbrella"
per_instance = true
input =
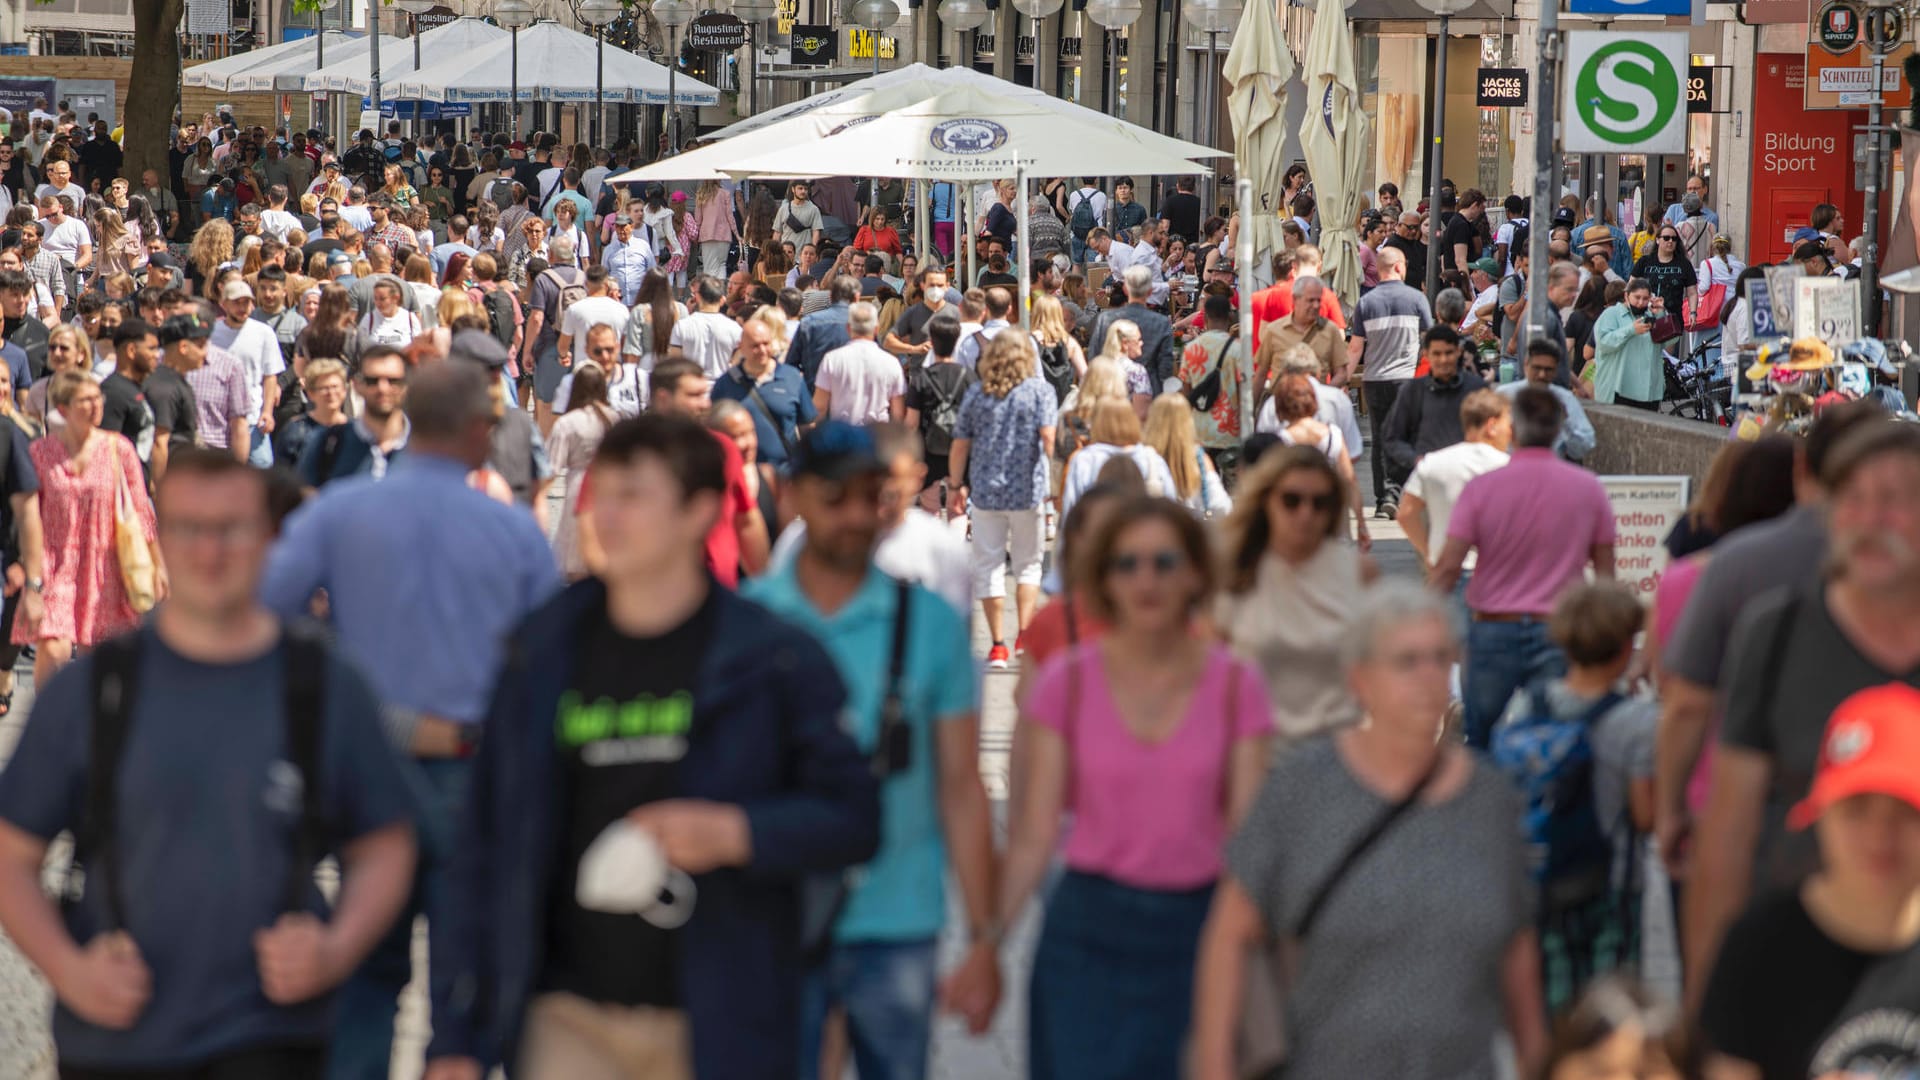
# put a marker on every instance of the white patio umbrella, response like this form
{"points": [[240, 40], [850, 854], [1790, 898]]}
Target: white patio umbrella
{"points": [[918, 82], [965, 135], [556, 64], [287, 72], [1257, 69], [461, 37], [214, 74], [1334, 140]]}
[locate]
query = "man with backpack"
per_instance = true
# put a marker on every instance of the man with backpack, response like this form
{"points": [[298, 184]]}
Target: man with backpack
{"points": [[935, 388], [999, 317], [205, 763], [897, 646], [1581, 754], [1514, 235], [908, 339], [556, 289], [1086, 209]]}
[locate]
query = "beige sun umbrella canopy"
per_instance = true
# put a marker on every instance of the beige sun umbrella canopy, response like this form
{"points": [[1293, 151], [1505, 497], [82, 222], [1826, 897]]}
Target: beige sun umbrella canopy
{"points": [[967, 135], [1333, 139], [1257, 70], [217, 74]]}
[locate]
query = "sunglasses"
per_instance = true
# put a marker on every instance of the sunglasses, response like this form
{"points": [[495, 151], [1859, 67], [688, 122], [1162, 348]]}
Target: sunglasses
{"points": [[1670, 239], [1293, 500], [383, 380], [1161, 562]]}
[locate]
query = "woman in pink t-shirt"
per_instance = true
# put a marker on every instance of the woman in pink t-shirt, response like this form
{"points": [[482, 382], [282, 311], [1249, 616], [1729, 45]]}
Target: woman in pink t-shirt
{"points": [[1155, 740]]}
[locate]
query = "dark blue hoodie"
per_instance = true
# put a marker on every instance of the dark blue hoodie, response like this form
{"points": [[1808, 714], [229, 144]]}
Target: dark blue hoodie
{"points": [[766, 737]]}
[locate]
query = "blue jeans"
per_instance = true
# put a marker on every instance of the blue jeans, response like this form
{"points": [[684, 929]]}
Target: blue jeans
{"points": [[260, 449], [365, 1007], [1503, 658], [887, 990]]}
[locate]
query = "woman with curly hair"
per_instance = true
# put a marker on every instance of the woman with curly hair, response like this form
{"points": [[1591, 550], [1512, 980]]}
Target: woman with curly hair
{"points": [[212, 247]]}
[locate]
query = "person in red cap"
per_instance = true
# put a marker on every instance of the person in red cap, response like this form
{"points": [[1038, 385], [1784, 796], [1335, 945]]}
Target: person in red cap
{"points": [[1823, 980]]}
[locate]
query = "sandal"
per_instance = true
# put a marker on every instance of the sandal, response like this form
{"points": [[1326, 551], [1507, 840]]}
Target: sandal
{"points": [[6, 702]]}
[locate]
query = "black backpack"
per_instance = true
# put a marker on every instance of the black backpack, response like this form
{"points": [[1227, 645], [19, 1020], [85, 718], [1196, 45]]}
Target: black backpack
{"points": [[499, 305], [1516, 247], [116, 666], [1057, 370], [938, 422], [1083, 222], [1203, 394]]}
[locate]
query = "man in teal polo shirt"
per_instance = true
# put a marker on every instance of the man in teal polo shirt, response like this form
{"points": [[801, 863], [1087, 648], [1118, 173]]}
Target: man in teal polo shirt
{"points": [[880, 966]]}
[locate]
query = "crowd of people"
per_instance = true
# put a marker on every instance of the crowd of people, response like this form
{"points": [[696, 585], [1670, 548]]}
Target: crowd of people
{"points": [[593, 571]]}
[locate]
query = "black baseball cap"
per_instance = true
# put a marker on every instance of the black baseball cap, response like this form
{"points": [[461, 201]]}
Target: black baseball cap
{"points": [[836, 451], [187, 326]]}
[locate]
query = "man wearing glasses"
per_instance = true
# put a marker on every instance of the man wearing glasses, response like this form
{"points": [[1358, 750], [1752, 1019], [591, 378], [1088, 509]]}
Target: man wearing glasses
{"points": [[369, 442]]}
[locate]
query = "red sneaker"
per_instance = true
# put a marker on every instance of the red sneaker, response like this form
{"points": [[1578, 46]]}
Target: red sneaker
{"points": [[1020, 645], [997, 658]]}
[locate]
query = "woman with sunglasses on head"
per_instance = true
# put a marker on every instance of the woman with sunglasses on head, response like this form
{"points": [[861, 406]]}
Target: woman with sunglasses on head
{"points": [[1291, 583], [1667, 269], [1387, 857], [437, 197], [1154, 740]]}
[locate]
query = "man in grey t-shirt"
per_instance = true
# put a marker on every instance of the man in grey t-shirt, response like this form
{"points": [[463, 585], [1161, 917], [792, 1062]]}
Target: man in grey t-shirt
{"points": [[1795, 655], [1385, 343]]}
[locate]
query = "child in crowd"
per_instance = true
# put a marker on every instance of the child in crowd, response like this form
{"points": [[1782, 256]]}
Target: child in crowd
{"points": [[1582, 753]]}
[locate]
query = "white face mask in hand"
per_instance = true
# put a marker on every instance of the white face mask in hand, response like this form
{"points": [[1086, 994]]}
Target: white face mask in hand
{"points": [[624, 873]]}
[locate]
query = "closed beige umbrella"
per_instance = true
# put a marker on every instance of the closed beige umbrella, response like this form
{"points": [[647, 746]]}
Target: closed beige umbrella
{"points": [[1334, 140], [1257, 70]]}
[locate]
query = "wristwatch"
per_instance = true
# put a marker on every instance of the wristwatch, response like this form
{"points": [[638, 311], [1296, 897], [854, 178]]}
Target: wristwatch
{"points": [[33, 584], [990, 934]]}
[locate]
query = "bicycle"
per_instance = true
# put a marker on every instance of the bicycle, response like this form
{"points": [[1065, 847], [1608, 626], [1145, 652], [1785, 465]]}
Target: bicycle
{"points": [[1698, 388]]}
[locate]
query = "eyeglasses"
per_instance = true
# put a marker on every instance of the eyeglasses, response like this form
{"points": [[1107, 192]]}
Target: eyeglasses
{"points": [[1411, 660], [1294, 500], [1161, 562]]}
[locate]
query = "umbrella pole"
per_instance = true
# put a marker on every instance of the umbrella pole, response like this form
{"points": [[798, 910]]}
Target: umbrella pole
{"points": [[1243, 192], [919, 189], [513, 106], [1433, 185], [1020, 207]]}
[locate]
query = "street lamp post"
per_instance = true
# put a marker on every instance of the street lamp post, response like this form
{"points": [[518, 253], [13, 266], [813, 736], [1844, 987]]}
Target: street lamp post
{"points": [[1037, 10], [1214, 17], [514, 15], [755, 14], [1446, 9], [965, 16], [414, 9], [875, 16], [1112, 15], [597, 14], [373, 56], [321, 7], [673, 14]]}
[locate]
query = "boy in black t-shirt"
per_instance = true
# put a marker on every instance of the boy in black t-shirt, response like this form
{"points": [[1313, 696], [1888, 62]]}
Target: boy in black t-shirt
{"points": [[1824, 980]]}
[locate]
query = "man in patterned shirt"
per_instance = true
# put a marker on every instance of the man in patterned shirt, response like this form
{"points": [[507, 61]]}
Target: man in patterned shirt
{"points": [[386, 230], [219, 383]]}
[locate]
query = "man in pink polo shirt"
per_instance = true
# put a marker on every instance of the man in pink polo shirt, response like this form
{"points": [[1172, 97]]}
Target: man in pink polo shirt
{"points": [[1536, 525]]}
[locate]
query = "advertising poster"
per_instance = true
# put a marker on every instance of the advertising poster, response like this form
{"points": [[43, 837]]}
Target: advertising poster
{"points": [[1645, 510]]}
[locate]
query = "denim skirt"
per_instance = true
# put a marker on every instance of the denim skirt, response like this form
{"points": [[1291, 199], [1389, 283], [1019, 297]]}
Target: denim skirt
{"points": [[1112, 988]]}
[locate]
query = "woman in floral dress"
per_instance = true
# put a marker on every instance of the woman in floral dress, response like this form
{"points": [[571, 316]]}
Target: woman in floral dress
{"points": [[81, 468]]}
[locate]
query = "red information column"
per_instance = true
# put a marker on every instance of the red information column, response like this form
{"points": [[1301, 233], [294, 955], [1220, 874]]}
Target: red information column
{"points": [[1801, 158]]}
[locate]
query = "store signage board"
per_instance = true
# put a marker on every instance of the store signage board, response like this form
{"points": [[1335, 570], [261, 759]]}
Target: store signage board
{"points": [[1827, 308], [1840, 53], [716, 32], [1502, 88], [1626, 93], [1645, 510]]}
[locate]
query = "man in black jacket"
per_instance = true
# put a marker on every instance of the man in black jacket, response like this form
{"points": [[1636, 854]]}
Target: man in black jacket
{"points": [[1426, 415], [1157, 353]]}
